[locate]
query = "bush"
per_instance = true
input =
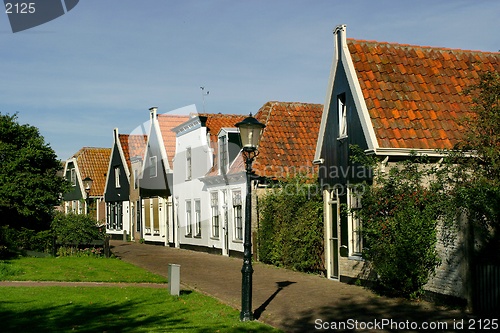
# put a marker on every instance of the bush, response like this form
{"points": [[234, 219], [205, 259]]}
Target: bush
{"points": [[291, 227], [400, 213], [76, 229], [7, 243]]}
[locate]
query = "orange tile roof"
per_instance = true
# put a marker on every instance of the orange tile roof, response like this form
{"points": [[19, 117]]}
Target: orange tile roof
{"points": [[214, 123], [414, 94], [133, 145], [288, 143], [93, 162], [167, 122]]}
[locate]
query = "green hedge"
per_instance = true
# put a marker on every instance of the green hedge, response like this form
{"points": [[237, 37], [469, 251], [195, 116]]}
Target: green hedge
{"points": [[291, 226], [66, 230]]}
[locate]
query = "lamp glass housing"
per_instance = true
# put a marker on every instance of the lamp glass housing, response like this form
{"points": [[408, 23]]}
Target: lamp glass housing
{"points": [[87, 183], [250, 132]]}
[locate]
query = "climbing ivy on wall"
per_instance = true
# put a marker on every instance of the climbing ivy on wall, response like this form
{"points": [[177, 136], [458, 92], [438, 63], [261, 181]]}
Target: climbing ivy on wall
{"points": [[291, 226]]}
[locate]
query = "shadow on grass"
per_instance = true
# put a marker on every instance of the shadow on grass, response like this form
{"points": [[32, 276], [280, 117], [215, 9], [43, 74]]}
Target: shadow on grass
{"points": [[131, 316], [381, 315]]}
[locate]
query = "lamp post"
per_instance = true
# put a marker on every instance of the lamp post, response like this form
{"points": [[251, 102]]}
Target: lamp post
{"points": [[87, 185], [250, 132]]}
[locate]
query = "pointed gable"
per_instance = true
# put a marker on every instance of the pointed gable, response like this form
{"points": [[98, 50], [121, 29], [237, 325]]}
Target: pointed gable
{"points": [[93, 162], [415, 94]]}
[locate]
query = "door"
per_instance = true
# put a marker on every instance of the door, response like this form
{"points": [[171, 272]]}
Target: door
{"points": [[333, 241]]}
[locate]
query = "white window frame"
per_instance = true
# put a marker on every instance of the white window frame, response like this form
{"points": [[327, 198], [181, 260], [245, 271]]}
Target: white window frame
{"points": [[189, 165], [153, 164], [214, 204], [189, 220], [117, 177], [197, 217], [342, 115], [354, 224], [238, 215], [223, 154], [72, 176]]}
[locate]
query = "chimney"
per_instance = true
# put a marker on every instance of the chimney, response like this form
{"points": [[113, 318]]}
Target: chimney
{"points": [[152, 111], [340, 39]]}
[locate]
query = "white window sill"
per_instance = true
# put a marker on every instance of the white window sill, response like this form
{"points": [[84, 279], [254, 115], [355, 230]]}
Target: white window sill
{"points": [[356, 257]]}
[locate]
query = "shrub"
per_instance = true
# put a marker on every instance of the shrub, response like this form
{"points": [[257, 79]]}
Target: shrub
{"points": [[76, 229], [399, 213]]}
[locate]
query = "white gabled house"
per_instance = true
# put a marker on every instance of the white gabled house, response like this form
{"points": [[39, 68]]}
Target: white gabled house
{"points": [[226, 185], [156, 179], [201, 209]]}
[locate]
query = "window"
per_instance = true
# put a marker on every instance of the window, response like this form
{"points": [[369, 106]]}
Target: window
{"points": [[342, 113], [223, 154], [215, 214], [197, 217], [237, 214], [114, 220], [117, 177], [355, 235], [138, 216], [73, 177], [188, 163], [189, 226], [153, 167], [136, 178]]}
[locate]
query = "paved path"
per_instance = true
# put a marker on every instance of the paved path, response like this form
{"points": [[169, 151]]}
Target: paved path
{"points": [[291, 301]]}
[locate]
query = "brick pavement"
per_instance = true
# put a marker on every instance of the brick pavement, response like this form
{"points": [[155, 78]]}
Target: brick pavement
{"points": [[291, 301]]}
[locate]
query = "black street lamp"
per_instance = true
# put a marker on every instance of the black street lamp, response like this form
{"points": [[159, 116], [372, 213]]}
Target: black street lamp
{"points": [[87, 184], [250, 132]]}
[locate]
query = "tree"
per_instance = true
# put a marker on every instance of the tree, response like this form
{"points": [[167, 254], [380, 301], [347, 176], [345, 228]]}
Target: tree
{"points": [[29, 184], [476, 170]]}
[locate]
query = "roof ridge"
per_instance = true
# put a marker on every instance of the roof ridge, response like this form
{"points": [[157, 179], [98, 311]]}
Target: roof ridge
{"points": [[427, 47]]}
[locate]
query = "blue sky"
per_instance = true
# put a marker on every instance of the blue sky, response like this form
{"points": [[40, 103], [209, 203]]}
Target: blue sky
{"points": [[104, 63]]}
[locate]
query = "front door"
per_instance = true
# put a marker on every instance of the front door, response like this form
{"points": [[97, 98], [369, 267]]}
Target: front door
{"points": [[333, 241]]}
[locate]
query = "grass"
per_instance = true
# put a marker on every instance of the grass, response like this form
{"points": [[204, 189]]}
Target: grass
{"points": [[99, 309], [106, 309], [75, 269]]}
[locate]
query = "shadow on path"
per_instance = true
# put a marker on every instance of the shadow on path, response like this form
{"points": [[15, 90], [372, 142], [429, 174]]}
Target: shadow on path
{"points": [[282, 284]]}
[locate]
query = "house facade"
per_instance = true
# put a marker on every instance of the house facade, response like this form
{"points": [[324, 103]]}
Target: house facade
{"points": [[214, 196], [156, 179], [121, 186], [202, 212], [87, 162], [390, 100]]}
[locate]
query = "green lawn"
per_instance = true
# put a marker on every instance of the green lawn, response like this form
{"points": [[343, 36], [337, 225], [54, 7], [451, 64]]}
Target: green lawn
{"points": [[106, 309], [75, 269], [101, 309]]}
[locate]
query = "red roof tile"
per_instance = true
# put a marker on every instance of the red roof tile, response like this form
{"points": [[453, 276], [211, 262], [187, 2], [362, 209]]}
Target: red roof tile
{"points": [[288, 142], [417, 82], [93, 162], [215, 122], [167, 122], [133, 145]]}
